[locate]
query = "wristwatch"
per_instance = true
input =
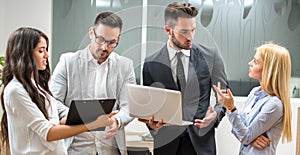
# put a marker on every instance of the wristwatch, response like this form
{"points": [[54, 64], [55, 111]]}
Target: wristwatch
{"points": [[232, 110]]}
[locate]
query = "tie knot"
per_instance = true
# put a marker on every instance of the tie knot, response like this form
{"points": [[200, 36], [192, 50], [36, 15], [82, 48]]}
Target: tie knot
{"points": [[179, 54]]}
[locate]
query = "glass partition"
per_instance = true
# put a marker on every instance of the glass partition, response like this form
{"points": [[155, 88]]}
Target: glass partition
{"points": [[235, 27]]}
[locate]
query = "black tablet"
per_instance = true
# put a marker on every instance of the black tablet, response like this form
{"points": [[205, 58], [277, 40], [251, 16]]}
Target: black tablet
{"points": [[85, 111]]}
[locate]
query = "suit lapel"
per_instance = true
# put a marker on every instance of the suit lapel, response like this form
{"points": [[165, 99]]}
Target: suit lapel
{"points": [[113, 87], [82, 62], [197, 64], [112, 79], [166, 71]]}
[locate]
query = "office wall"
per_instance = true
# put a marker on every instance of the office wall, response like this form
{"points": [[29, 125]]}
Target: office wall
{"points": [[234, 27], [16, 13]]}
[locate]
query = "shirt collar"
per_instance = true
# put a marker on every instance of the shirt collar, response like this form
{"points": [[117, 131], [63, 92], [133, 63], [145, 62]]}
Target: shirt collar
{"points": [[260, 93], [172, 51]]}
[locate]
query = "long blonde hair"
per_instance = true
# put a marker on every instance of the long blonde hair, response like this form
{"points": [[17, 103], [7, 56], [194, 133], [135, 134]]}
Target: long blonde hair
{"points": [[276, 76]]}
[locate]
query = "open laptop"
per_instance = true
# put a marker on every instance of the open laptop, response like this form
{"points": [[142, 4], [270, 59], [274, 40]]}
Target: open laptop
{"points": [[145, 101], [85, 111]]}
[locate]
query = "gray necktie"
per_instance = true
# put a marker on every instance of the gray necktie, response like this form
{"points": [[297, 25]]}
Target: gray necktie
{"points": [[180, 73]]}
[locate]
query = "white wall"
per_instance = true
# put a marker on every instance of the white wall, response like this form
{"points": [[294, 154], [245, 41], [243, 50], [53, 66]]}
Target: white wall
{"points": [[30, 13]]}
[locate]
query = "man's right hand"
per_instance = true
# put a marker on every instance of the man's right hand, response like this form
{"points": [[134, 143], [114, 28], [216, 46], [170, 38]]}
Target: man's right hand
{"points": [[261, 142], [153, 124]]}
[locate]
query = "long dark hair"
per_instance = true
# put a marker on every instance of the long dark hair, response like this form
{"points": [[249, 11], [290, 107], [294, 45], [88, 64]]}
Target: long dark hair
{"points": [[20, 63]]}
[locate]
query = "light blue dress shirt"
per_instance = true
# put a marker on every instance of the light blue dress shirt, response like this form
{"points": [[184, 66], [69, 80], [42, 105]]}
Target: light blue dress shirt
{"points": [[261, 114]]}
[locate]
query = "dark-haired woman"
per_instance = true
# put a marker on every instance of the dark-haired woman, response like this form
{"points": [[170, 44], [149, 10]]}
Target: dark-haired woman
{"points": [[30, 122]]}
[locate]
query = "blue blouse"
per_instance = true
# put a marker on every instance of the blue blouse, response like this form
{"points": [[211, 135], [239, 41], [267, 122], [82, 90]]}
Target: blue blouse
{"points": [[261, 114]]}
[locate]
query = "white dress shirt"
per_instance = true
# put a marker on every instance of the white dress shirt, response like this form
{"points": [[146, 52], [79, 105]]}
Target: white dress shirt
{"points": [[97, 80], [27, 126], [173, 59]]}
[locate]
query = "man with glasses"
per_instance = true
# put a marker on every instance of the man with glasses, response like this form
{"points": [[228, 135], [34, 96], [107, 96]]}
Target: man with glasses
{"points": [[97, 72], [191, 69]]}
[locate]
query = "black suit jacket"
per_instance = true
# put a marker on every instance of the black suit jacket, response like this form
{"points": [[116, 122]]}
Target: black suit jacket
{"points": [[205, 68]]}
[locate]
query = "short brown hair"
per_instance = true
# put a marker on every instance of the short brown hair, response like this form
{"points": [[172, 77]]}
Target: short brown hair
{"points": [[110, 19], [176, 10]]}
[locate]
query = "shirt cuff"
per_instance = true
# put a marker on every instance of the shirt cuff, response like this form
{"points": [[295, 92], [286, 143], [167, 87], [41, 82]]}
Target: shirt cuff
{"points": [[50, 145], [119, 122]]}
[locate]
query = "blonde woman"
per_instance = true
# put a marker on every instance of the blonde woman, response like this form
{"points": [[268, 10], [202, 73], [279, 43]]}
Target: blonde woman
{"points": [[267, 110]]}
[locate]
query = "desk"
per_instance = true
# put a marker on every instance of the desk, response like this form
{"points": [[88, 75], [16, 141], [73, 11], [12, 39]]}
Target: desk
{"points": [[138, 143]]}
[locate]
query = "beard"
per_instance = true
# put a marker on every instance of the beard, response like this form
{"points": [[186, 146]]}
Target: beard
{"points": [[177, 44], [101, 55]]}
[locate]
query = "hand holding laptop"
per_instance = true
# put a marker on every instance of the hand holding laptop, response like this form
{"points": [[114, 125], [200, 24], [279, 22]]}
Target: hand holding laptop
{"points": [[153, 124]]}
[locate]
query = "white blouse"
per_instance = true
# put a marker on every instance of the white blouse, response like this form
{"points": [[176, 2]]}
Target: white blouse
{"points": [[27, 126]]}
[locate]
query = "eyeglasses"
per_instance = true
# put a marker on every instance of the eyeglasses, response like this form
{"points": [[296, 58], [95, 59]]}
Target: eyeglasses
{"points": [[101, 41]]}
